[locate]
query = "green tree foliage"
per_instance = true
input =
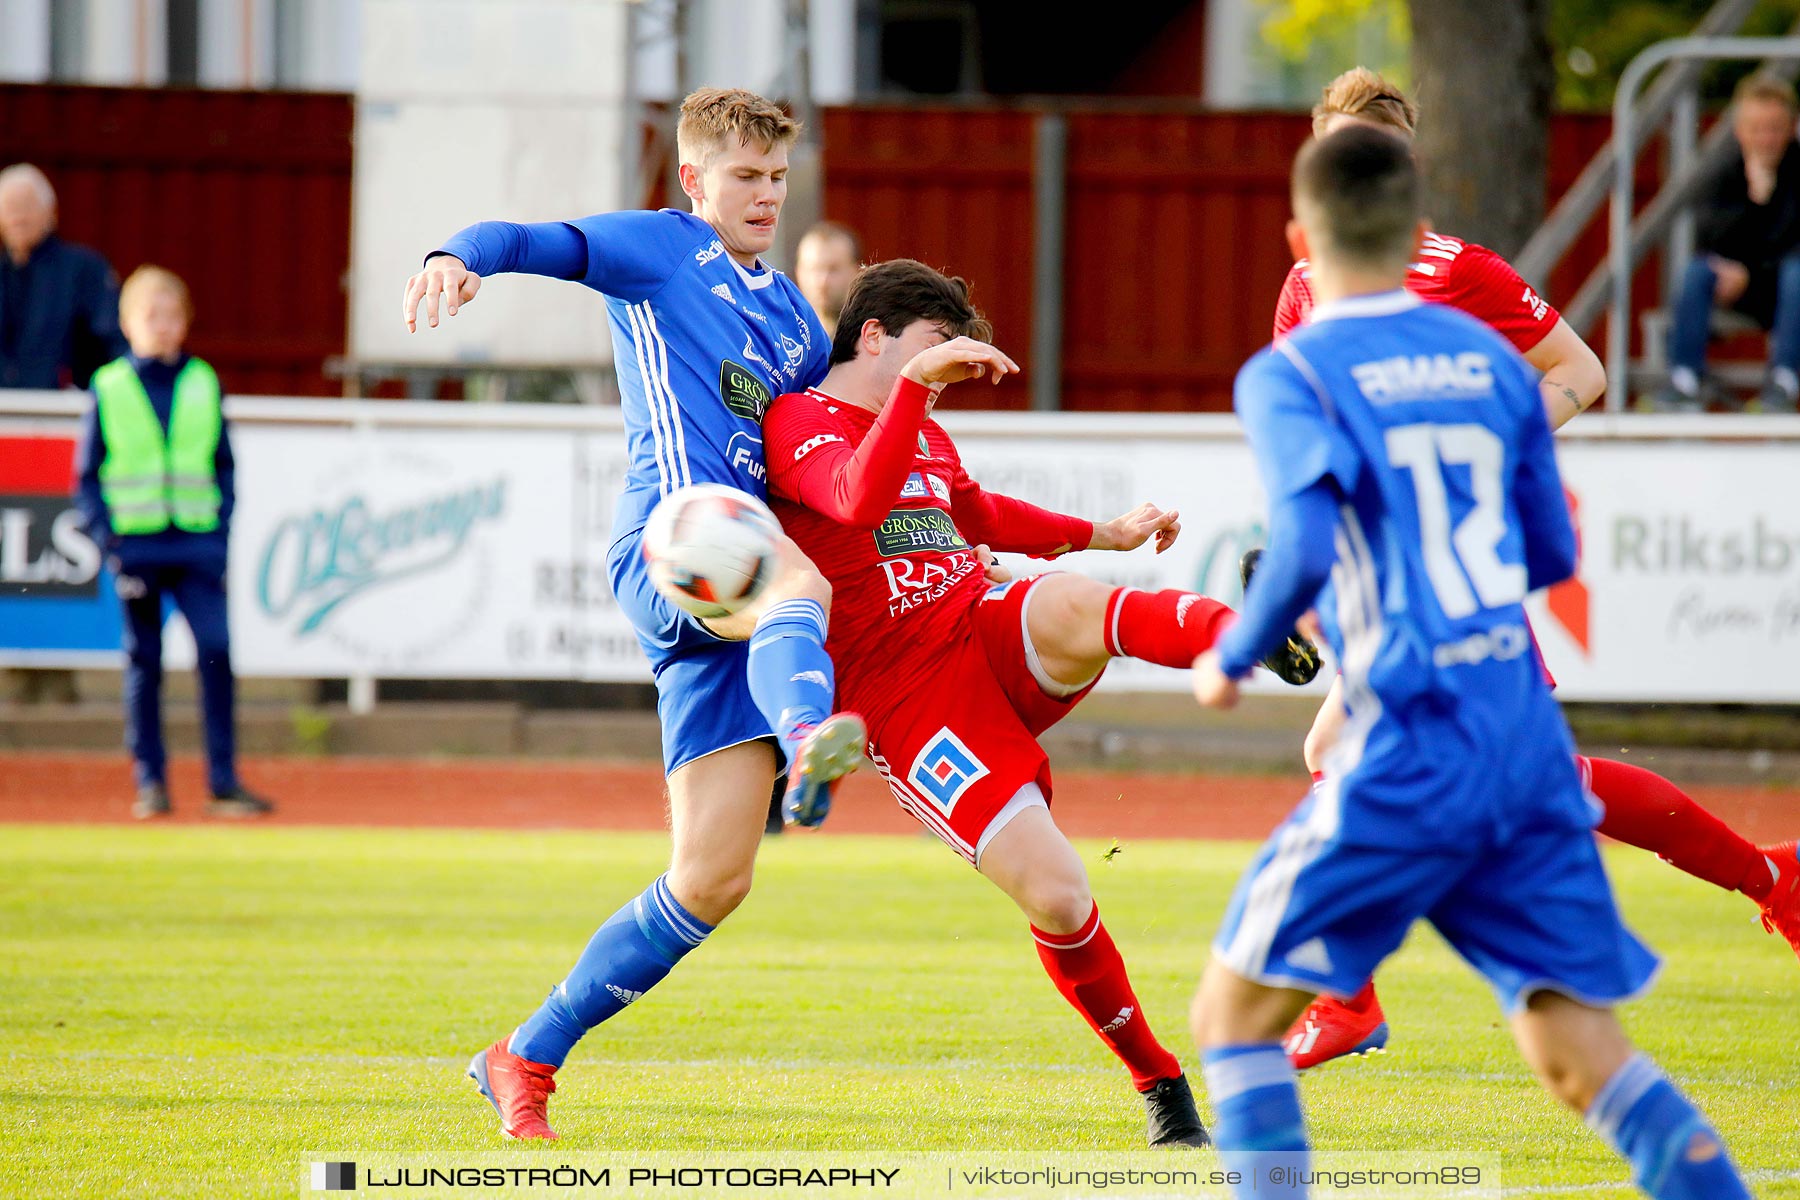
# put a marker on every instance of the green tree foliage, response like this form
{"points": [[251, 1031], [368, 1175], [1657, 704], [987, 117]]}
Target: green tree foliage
{"points": [[1593, 39]]}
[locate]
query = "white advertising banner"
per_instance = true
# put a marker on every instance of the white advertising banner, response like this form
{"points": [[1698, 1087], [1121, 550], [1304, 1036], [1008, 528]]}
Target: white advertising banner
{"points": [[408, 553], [1689, 587], [445, 541]]}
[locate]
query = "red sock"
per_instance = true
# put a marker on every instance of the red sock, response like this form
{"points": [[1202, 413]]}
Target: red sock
{"points": [[1171, 627], [1645, 810], [1086, 968]]}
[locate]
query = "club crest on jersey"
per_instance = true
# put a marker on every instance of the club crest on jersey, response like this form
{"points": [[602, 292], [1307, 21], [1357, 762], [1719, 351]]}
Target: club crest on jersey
{"points": [[743, 392], [912, 530], [946, 769], [920, 486], [924, 450]]}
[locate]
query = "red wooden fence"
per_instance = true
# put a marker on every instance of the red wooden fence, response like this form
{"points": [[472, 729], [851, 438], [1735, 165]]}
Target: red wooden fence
{"points": [[1174, 248], [246, 195]]}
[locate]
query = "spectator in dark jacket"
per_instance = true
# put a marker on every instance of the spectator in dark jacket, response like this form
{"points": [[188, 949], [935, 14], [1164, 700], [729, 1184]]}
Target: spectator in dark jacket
{"points": [[157, 486], [59, 302], [1748, 231]]}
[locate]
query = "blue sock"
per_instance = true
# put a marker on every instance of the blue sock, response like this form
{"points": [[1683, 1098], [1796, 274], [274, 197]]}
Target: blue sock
{"points": [[625, 958], [1257, 1121], [791, 678], [1674, 1154]]}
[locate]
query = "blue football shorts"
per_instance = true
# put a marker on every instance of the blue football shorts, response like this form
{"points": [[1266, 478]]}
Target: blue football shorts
{"points": [[1531, 909], [702, 681]]}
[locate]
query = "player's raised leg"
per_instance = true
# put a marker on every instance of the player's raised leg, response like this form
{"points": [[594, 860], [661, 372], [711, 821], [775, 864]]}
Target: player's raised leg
{"points": [[1031, 861], [794, 684], [1641, 808], [1077, 625], [717, 804]]}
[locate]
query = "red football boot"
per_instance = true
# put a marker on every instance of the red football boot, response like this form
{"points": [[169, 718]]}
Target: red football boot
{"points": [[1332, 1028], [517, 1088], [1781, 909]]}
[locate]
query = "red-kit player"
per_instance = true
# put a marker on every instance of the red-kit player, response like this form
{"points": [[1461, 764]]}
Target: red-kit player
{"points": [[956, 674], [1640, 808]]}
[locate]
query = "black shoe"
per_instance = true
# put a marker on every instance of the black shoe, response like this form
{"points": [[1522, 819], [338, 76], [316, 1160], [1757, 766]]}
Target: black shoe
{"points": [[1298, 661], [152, 802], [240, 802], [1174, 1121]]}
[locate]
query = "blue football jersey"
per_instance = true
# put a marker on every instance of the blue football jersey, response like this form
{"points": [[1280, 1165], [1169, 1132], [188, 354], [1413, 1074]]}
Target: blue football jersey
{"points": [[702, 346], [1432, 431]]}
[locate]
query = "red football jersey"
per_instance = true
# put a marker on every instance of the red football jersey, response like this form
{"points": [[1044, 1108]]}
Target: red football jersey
{"points": [[1460, 274], [901, 564]]}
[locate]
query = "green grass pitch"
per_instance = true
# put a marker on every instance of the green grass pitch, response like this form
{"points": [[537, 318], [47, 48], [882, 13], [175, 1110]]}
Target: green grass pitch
{"points": [[188, 1011]]}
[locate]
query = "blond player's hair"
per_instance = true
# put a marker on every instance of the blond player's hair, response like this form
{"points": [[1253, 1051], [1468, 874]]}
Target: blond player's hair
{"points": [[712, 118], [1361, 93], [148, 280], [1761, 86]]}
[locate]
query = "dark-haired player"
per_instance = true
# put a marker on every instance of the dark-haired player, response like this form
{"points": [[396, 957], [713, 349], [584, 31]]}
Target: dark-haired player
{"points": [[957, 678]]}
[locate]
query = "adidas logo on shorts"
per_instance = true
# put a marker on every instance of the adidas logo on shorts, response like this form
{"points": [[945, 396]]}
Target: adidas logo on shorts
{"points": [[625, 995]]}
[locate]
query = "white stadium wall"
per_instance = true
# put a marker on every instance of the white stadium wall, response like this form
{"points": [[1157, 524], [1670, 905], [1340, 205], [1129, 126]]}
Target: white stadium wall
{"points": [[407, 540], [537, 134]]}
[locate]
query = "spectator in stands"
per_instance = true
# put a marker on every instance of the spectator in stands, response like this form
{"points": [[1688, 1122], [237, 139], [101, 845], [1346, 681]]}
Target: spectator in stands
{"points": [[1748, 235], [157, 489], [59, 302], [828, 257]]}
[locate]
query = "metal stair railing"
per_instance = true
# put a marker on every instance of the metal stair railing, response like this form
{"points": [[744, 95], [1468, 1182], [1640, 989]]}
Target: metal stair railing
{"points": [[1591, 188], [1628, 240]]}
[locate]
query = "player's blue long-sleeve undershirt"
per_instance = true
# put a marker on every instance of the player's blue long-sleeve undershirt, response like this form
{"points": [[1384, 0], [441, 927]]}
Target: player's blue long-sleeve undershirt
{"points": [[553, 248], [1293, 570]]}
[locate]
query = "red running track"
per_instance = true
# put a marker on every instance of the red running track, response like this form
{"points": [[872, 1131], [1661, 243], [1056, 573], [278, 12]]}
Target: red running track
{"points": [[513, 794]]}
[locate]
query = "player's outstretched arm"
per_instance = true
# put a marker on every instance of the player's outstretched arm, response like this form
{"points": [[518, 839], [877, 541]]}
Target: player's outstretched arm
{"points": [[1573, 375], [1293, 570], [956, 360], [1136, 527], [454, 270], [444, 275]]}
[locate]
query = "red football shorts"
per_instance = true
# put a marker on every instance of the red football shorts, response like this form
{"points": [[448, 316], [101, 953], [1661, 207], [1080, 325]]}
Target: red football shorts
{"points": [[958, 754]]}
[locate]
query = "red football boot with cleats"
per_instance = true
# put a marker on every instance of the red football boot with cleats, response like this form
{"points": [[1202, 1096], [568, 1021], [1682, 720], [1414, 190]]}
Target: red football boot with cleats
{"points": [[1332, 1028], [1781, 908], [518, 1088]]}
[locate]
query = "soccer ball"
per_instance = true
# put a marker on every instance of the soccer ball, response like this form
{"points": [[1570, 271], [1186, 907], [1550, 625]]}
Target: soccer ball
{"points": [[711, 548]]}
